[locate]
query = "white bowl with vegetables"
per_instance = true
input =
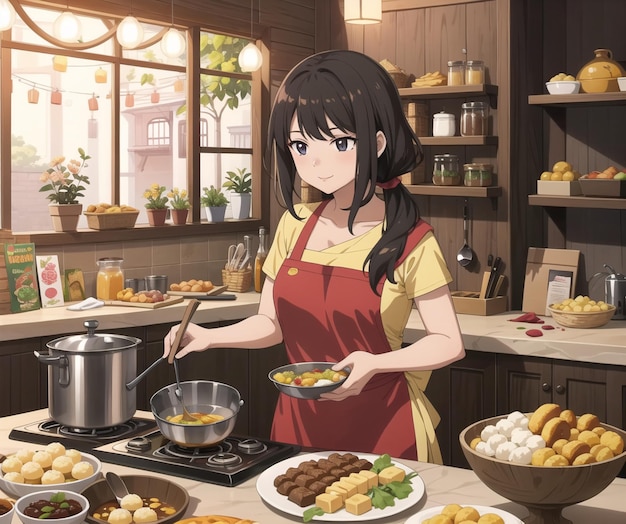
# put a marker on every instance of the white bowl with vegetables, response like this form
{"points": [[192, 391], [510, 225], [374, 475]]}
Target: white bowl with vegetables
{"points": [[307, 380]]}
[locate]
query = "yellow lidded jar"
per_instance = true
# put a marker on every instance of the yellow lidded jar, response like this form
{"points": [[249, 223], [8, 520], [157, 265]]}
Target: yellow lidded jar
{"points": [[600, 74]]}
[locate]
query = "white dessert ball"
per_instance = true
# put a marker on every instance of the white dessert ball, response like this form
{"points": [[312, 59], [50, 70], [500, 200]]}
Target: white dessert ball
{"points": [[82, 470], [515, 417], [25, 455], [120, 516], [495, 441], [535, 442], [14, 476], [144, 515], [131, 502], [519, 436], [522, 423], [483, 448], [12, 465], [31, 471], [56, 449], [43, 458], [74, 454], [505, 427], [52, 477], [504, 450], [488, 431], [521, 455], [63, 464]]}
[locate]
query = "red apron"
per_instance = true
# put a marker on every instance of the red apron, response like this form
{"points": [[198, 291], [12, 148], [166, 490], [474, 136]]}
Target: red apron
{"points": [[326, 313]]}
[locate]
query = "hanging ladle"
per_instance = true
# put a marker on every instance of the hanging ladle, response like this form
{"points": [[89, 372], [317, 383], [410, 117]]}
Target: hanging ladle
{"points": [[191, 309], [465, 254]]}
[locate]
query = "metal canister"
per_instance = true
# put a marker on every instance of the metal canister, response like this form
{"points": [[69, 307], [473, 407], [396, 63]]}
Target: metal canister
{"points": [[615, 292]]}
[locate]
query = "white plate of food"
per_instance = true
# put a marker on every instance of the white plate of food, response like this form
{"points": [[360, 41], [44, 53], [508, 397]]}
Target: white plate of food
{"points": [[428, 513], [270, 495]]}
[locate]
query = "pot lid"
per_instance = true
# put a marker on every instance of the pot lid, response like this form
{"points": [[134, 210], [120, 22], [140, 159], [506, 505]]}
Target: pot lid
{"points": [[93, 342]]}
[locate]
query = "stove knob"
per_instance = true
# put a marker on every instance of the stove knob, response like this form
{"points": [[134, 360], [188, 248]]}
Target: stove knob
{"points": [[138, 444]]}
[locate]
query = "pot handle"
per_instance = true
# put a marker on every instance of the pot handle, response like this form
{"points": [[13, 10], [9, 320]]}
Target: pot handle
{"points": [[60, 361]]}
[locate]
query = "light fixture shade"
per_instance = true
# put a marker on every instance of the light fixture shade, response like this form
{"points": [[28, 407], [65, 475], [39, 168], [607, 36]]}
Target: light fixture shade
{"points": [[363, 11], [67, 27], [250, 58], [7, 15], [129, 33], [173, 43]]}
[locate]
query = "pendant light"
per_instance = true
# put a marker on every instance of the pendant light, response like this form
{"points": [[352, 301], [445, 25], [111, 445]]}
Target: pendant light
{"points": [[250, 57], [173, 42], [363, 11], [67, 27], [129, 32], [7, 15]]}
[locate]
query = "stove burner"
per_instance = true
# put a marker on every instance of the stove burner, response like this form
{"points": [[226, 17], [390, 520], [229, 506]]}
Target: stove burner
{"points": [[175, 450], [83, 432], [251, 446], [224, 459]]}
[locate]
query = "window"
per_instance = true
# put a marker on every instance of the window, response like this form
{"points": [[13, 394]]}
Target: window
{"points": [[158, 132]]}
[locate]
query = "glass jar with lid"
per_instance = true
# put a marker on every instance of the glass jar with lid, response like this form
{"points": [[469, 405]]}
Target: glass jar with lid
{"points": [[477, 174], [456, 72], [444, 124], [474, 119], [474, 72], [446, 170], [110, 279]]}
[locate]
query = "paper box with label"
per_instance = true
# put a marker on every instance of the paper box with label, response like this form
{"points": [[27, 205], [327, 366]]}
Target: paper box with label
{"points": [[550, 277]]}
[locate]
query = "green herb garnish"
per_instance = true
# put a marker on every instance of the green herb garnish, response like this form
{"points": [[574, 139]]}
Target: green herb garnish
{"points": [[315, 511], [58, 497]]}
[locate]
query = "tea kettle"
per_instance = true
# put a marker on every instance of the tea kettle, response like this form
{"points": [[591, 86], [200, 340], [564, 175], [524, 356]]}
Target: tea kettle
{"points": [[615, 292]]}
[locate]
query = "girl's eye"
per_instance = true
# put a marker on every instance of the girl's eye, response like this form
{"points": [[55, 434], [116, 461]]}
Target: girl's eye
{"points": [[298, 147], [344, 143]]}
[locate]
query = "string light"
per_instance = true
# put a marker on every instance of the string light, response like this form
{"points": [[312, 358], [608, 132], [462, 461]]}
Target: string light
{"points": [[7, 15], [250, 57], [173, 42]]}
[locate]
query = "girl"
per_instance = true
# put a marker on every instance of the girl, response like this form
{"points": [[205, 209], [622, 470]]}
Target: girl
{"points": [[342, 275]]}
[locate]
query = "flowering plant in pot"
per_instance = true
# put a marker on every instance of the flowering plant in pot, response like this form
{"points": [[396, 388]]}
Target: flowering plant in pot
{"points": [[240, 185], [180, 205], [156, 205], [215, 202]]}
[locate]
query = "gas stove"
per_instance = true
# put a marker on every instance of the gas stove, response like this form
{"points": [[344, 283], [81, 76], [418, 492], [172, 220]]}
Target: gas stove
{"points": [[227, 463]]}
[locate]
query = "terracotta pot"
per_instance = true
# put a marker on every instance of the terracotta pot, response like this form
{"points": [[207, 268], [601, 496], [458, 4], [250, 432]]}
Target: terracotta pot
{"points": [[179, 216], [156, 217], [65, 216]]}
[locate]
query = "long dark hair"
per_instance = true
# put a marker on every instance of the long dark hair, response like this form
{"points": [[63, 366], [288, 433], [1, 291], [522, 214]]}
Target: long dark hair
{"points": [[358, 96]]}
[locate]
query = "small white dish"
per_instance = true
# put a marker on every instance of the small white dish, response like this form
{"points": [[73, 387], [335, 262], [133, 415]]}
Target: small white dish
{"points": [[6, 517], [425, 514], [621, 82], [23, 502], [563, 87]]}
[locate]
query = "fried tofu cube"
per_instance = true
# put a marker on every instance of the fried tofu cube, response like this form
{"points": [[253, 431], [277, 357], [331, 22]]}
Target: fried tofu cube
{"points": [[335, 489], [391, 474], [358, 504], [372, 478], [349, 488], [359, 481], [329, 502]]}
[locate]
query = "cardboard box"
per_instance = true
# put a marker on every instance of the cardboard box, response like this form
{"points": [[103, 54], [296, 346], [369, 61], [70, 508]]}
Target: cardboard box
{"points": [[468, 303], [558, 187], [544, 266]]}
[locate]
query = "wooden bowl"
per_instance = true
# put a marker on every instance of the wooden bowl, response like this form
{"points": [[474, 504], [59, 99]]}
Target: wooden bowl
{"points": [[544, 491], [583, 319]]}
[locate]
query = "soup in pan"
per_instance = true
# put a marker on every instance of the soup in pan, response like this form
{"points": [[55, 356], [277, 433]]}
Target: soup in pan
{"points": [[201, 419]]}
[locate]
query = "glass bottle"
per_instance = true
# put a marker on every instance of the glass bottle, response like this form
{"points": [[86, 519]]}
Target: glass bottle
{"points": [[110, 279], [446, 170], [259, 276], [474, 72], [456, 73], [474, 119]]}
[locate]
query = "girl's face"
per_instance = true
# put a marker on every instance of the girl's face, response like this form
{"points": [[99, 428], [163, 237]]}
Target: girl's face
{"points": [[328, 164]]}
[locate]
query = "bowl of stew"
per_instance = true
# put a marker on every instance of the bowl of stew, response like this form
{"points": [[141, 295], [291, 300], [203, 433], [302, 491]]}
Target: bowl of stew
{"points": [[60, 507], [307, 380]]}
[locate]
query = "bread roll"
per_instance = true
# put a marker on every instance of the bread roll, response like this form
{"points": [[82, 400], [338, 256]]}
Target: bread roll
{"points": [[613, 441], [556, 460], [587, 421], [572, 449], [554, 429], [568, 416], [584, 458], [541, 416]]}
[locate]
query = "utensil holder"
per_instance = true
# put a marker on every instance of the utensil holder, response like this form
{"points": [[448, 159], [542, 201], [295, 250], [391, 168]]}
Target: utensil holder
{"points": [[239, 280]]}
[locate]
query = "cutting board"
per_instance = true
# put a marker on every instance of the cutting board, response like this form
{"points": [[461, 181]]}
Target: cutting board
{"points": [[215, 291], [145, 305]]}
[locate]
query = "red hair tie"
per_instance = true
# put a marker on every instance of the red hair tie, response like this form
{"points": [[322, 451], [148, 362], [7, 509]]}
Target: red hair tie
{"points": [[390, 184]]}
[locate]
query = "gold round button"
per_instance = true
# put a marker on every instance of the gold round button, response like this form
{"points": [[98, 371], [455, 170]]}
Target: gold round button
{"points": [[292, 271]]}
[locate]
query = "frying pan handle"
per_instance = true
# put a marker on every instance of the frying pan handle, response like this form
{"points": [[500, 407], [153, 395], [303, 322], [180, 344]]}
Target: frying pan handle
{"points": [[191, 309]]}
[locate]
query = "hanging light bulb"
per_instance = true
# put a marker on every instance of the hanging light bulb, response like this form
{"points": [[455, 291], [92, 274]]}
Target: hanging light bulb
{"points": [[250, 58], [67, 27], [173, 43], [7, 15], [129, 32], [363, 11]]}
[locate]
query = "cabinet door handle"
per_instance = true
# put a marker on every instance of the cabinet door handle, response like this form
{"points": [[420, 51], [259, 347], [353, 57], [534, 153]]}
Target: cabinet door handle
{"points": [[546, 387], [560, 389]]}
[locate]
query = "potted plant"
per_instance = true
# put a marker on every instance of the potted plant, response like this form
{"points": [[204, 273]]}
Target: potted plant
{"points": [[214, 202], [157, 204], [240, 184], [65, 184], [180, 205]]}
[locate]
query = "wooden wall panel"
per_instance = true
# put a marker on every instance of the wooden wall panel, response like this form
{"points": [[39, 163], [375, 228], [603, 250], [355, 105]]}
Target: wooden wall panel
{"points": [[446, 38], [411, 41]]}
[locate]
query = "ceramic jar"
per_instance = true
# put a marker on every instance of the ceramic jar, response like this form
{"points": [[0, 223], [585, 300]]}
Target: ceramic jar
{"points": [[444, 124], [600, 74]]}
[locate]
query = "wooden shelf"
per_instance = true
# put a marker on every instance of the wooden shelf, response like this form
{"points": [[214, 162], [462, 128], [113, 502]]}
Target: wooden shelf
{"points": [[458, 140], [448, 91], [576, 201], [585, 99], [455, 191]]}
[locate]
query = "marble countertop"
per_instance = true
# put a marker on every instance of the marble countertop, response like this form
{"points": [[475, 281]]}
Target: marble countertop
{"points": [[496, 333], [443, 485]]}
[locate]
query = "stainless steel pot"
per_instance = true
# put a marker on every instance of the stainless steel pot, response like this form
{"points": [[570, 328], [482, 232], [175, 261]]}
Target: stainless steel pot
{"points": [[201, 396], [88, 378]]}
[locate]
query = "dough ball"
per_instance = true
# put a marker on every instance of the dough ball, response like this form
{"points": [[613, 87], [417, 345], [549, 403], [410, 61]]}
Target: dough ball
{"points": [[466, 513], [56, 449], [503, 452], [451, 510], [519, 436], [144, 515], [483, 448], [490, 518], [515, 417], [505, 427], [535, 442], [12, 465], [488, 431], [589, 437], [558, 445], [587, 421], [74, 454], [496, 441], [16, 476], [31, 471], [556, 460], [613, 441], [541, 455], [52, 477], [584, 458], [82, 470], [63, 464], [521, 455], [131, 502], [120, 516], [43, 458], [25, 455]]}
